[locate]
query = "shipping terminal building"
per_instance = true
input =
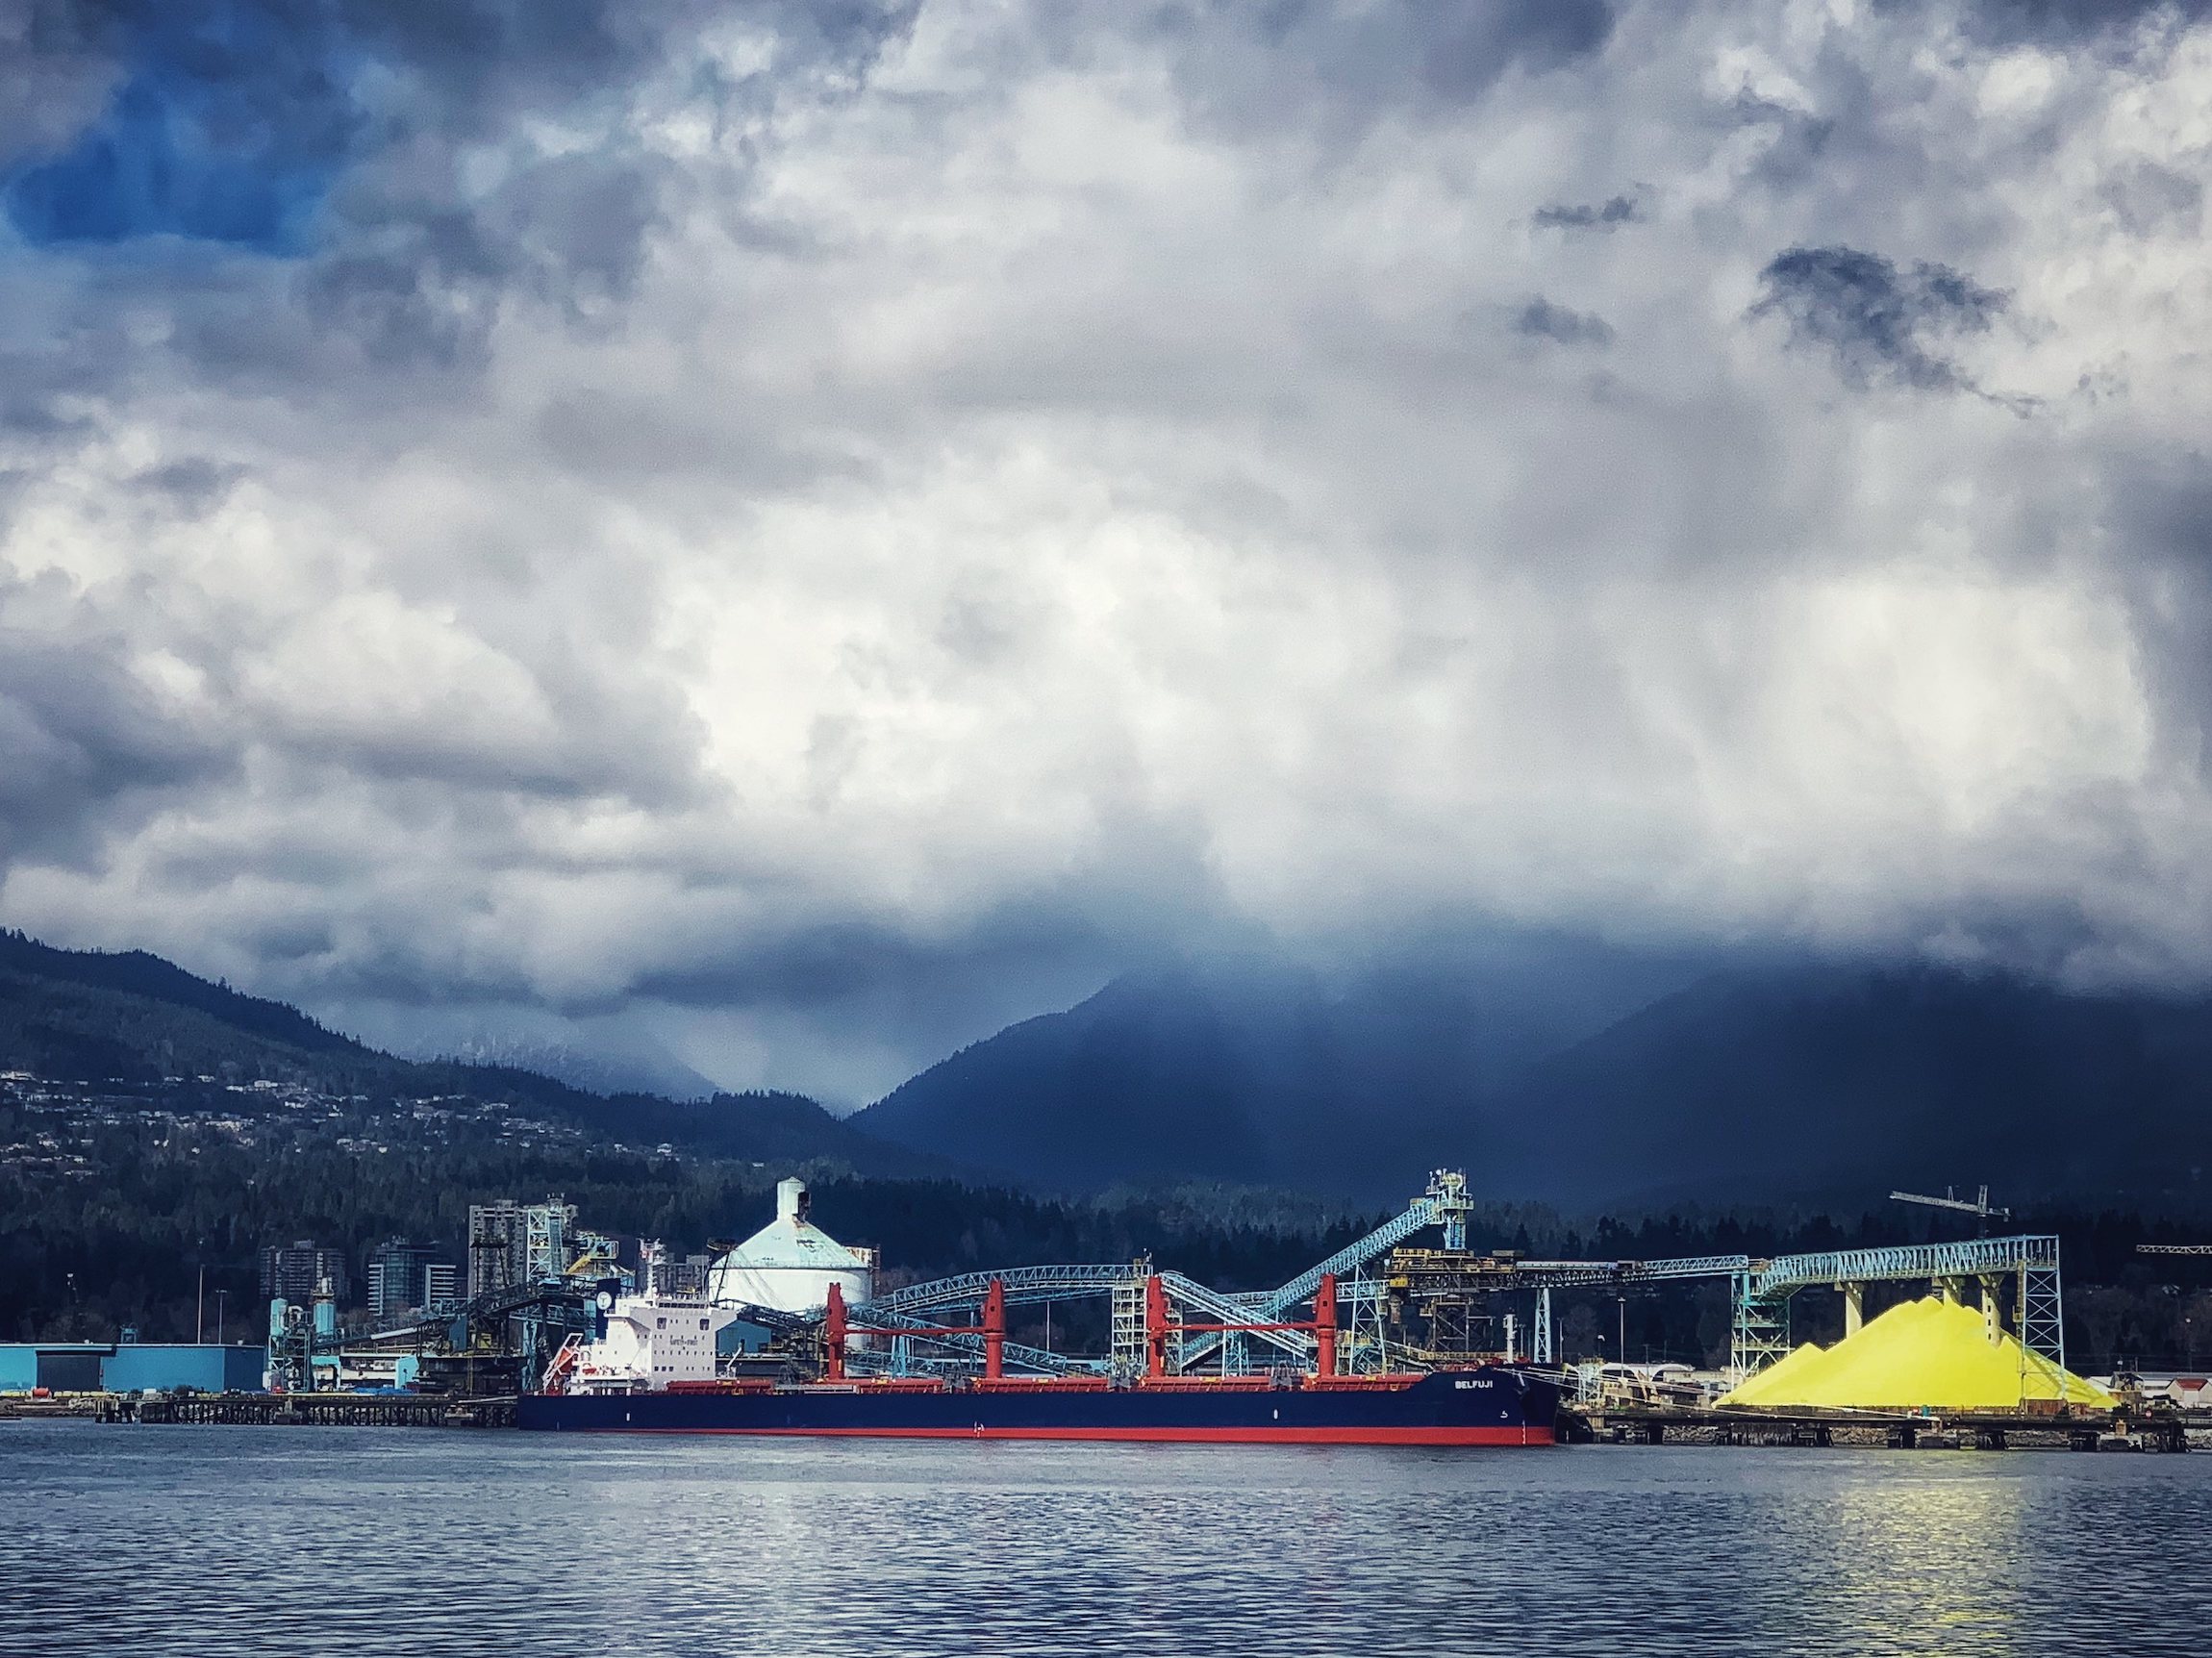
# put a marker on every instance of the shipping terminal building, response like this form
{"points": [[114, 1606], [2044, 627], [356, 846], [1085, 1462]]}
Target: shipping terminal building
{"points": [[1387, 1340]]}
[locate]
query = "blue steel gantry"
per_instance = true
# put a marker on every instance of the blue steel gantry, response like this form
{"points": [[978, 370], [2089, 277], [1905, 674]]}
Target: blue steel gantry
{"points": [[1762, 1289], [923, 1340], [1370, 1271], [1760, 1333], [1444, 1205]]}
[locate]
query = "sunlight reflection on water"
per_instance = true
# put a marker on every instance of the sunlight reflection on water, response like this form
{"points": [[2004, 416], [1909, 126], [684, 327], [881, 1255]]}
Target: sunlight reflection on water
{"points": [[194, 1539]]}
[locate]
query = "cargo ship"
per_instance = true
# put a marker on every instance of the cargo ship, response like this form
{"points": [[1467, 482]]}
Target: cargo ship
{"points": [[651, 1367], [1483, 1406]]}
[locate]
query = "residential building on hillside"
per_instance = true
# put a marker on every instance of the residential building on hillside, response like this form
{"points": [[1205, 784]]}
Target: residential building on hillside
{"points": [[293, 1271], [405, 1279]]}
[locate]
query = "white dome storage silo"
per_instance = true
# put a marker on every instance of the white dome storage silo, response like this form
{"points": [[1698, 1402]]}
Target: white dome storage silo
{"points": [[790, 1264]]}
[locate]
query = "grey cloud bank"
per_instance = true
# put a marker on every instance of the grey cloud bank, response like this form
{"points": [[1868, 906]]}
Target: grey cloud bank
{"points": [[1880, 322], [796, 533], [1609, 214], [1540, 319]]}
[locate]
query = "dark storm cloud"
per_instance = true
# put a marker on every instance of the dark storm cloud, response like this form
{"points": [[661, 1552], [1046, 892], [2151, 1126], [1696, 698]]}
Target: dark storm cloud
{"points": [[1882, 324], [37, 386], [2156, 505], [1540, 319], [287, 83], [332, 137], [228, 132], [191, 486], [846, 959], [2151, 199], [739, 508], [1297, 60], [420, 288], [2065, 21], [1608, 215], [1473, 42], [83, 741]]}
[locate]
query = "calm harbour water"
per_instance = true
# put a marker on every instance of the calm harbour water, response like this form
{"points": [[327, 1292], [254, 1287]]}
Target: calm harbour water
{"points": [[211, 1540]]}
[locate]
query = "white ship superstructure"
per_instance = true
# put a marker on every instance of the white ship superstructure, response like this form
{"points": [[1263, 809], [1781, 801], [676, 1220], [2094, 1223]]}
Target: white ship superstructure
{"points": [[665, 1333]]}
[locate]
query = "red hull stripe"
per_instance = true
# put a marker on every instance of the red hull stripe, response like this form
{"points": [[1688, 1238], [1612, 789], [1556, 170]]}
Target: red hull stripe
{"points": [[1416, 1436]]}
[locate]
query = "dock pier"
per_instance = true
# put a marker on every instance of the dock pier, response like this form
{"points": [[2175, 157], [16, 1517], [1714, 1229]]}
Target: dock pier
{"points": [[1977, 1430], [307, 1409]]}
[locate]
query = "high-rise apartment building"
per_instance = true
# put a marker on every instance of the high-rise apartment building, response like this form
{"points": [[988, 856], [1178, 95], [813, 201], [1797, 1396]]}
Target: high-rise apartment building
{"points": [[405, 1279], [293, 1271]]}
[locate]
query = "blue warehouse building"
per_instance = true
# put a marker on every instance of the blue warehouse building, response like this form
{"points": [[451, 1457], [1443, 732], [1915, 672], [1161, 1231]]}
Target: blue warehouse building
{"points": [[129, 1367]]}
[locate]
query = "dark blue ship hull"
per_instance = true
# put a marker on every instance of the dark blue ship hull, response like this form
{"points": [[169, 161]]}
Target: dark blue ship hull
{"points": [[1474, 1407]]}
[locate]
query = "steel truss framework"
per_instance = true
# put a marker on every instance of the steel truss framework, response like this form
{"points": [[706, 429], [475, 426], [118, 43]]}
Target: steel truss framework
{"points": [[1445, 1204], [1576, 1274], [963, 1347], [1022, 1283], [1762, 1289], [2042, 1312], [1439, 1277], [1761, 1292], [902, 1309], [1122, 1281], [1968, 1259], [1760, 1331]]}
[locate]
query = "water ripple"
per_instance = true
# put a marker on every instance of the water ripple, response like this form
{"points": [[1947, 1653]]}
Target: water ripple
{"points": [[374, 1542]]}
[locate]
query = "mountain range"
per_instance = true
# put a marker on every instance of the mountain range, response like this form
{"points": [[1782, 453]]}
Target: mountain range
{"points": [[133, 1019], [1580, 1082], [1817, 1083]]}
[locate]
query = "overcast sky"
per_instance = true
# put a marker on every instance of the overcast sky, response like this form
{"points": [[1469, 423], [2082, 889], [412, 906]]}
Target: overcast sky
{"points": [[804, 532]]}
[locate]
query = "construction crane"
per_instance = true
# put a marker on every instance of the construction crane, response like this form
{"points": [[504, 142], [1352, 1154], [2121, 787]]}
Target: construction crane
{"points": [[1981, 1208], [2174, 1248]]}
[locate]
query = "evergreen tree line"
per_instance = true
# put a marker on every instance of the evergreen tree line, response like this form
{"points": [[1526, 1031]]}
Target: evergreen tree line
{"points": [[128, 1237]]}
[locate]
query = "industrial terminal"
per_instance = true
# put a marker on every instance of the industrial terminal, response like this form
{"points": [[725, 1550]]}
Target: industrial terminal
{"points": [[550, 1323]]}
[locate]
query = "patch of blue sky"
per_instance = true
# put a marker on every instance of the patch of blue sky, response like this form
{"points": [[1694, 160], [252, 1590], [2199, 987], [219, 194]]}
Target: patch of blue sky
{"points": [[215, 136]]}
